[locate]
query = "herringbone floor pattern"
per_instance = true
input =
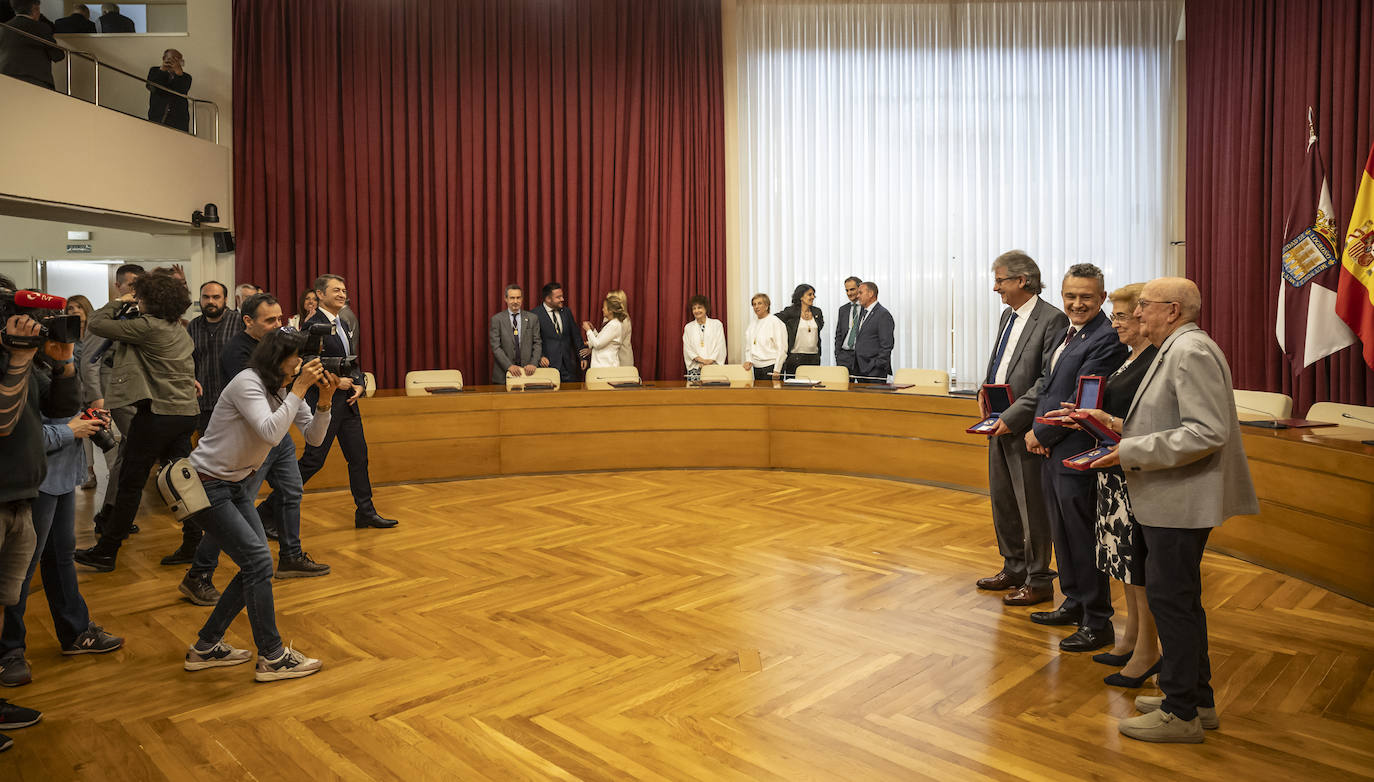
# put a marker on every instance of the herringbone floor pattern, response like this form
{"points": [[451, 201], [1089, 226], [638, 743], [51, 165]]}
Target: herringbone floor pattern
{"points": [[613, 626]]}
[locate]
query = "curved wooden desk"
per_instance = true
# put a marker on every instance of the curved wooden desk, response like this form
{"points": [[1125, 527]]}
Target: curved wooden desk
{"points": [[1316, 487]]}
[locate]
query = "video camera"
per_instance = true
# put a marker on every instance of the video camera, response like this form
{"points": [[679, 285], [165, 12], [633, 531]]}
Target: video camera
{"points": [[343, 366], [53, 326]]}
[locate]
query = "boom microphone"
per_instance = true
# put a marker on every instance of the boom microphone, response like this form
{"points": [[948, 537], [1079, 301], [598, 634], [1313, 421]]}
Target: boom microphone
{"points": [[33, 300]]}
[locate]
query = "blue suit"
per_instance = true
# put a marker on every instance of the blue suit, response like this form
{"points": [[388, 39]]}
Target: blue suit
{"points": [[561, 349], [1071, 495]]}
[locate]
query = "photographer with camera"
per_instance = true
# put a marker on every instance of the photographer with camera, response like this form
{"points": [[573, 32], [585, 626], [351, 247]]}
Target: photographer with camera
{"points": [[95, 367], [338, 346], [154, 372], [54, 525], [27, 394], [252, 417]]}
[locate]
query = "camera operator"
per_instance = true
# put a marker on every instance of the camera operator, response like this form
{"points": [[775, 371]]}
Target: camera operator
{"points": [[154, 372], [252, 417], [27, 394]]}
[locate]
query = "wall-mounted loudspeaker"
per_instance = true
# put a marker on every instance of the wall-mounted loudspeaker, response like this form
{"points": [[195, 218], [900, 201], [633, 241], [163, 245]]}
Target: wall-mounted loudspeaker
{"points": [[224, 241]]}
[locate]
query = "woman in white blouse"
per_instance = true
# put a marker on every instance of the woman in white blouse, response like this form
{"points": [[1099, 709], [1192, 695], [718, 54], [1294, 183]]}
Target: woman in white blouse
{"points": [[606, 342], [765, 341], [703, 339], [627, 351]]}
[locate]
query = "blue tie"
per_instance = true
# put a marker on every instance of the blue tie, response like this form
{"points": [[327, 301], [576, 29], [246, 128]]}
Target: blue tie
{"points": [[1001, 348]]}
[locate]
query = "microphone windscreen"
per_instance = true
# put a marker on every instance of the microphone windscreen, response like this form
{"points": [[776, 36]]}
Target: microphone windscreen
{"points": [[42, 301]]}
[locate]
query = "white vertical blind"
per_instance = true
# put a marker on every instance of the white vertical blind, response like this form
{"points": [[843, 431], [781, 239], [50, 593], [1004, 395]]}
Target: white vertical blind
{"points": [[911, 144]]}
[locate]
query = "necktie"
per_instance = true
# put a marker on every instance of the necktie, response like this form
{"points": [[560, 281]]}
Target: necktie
{"points": [[557, 316], [853, 329], [342, 333], [1059, 351], [1072, 331], [1001, 349], [515, 329]]}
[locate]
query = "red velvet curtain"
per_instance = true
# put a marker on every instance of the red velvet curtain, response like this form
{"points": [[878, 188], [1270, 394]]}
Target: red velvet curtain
{"points": [[432, 151], [1254, 66]]}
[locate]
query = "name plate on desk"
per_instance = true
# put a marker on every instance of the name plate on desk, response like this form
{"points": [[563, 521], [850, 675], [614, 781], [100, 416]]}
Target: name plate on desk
{"points": [[443, 390], [534, 385], [625, 384], [998, 398]]}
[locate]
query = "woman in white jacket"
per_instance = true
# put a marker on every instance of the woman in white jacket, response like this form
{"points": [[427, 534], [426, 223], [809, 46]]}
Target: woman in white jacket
{"points": [[765, 341], [703, 338], [606, 342], [254, 413]]}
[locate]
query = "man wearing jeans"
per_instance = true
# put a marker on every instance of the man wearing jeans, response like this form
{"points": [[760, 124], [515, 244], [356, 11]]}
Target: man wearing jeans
{"points": [[261, 316]]}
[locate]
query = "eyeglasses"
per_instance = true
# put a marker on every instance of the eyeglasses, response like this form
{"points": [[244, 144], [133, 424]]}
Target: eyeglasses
{"points": [[1146, 302], [1118, 317], [999, 280]]}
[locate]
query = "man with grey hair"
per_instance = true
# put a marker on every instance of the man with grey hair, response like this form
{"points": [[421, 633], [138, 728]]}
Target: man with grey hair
{"points": [[1027, 332], [21, 56], [78, 22], [1089, 346], [112, 21], [1186, 472]]}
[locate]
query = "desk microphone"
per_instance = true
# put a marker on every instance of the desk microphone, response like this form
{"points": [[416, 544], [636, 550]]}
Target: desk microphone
{"points": [[1272, 423], [1361, 420]]}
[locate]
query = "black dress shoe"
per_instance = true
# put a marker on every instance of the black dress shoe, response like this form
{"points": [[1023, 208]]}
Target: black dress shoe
{"points": [[95, 558], [375, 521], [182, 556], [1059, 616], [1087, 639], [1116, 660], [1119, 680]]}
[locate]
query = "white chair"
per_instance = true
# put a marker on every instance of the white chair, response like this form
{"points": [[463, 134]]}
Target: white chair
{"points": [[923, 381], [371, 381], [1263, 403], [831, 377], [541, 375], [420, 381], [1330, 412], [736, 374], [600, 378]]}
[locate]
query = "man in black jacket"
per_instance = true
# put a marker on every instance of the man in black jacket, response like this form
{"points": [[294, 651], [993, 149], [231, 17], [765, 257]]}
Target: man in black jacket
{"points": [[21, 56], [559, 335], [78, 22], [165, 108], [112, 21]]}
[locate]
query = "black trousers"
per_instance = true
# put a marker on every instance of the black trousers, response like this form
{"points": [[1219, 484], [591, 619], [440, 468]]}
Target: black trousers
{"points": [[763, 373], [346, 424], [848, 360], [794, 360], [1071, 503], [1173, 587], [151, 438]]}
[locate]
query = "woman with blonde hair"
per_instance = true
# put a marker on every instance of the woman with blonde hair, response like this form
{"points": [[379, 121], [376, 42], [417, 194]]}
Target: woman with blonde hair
{"points": [[627, 351], [606, 343]]}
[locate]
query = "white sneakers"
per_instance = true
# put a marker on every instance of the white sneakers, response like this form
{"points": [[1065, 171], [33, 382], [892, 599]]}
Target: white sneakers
{"points": [[1156, 725], [290, 664]]}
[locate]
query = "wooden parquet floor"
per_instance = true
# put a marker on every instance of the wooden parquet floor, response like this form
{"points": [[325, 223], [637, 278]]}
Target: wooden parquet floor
{"points": [[674, 625]]}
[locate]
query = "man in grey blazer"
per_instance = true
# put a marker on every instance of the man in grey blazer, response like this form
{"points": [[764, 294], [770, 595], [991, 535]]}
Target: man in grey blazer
{"points": [[1186, 473], [1026, 336], [874, 337], [516, 346]]}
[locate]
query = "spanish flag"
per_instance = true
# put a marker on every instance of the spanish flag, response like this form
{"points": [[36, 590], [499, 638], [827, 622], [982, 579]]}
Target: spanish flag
{"points": [[1355, 292]]}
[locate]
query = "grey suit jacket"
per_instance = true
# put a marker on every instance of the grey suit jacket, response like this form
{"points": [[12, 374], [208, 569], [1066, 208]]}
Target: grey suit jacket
{"points": [[1181, 449], [1038, 340], [502, 339]]}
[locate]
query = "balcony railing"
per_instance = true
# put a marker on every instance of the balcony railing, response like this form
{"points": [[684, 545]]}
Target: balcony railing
{"points": [[120, 90]]}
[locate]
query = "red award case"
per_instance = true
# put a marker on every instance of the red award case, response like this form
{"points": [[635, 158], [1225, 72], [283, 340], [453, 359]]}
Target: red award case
{"points": [[1089, 397], [999, 398], [1106, 438]]}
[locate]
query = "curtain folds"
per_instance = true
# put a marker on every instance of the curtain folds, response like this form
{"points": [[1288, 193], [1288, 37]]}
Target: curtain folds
{"points": [[433, 151], [911, 144], [1254, 66]]}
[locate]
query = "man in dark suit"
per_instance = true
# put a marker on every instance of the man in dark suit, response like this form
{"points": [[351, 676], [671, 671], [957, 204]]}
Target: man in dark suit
{"points": [[1089, 346], [873, 345], [23, 57], [560, 338], [112, 21], [346, 422], [846, 321], [513, 334], [1028, 333], [78, 22]]}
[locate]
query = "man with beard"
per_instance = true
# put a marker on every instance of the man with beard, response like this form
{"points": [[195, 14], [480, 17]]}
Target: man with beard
{"points": [[560, 336], [210, 331]]}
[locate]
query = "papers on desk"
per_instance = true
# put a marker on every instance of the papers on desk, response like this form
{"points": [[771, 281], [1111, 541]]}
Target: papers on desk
{"points": [[805, 382]]}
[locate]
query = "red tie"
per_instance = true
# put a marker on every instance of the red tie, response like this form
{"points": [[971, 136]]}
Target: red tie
{"points": [[1072, 331]]}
